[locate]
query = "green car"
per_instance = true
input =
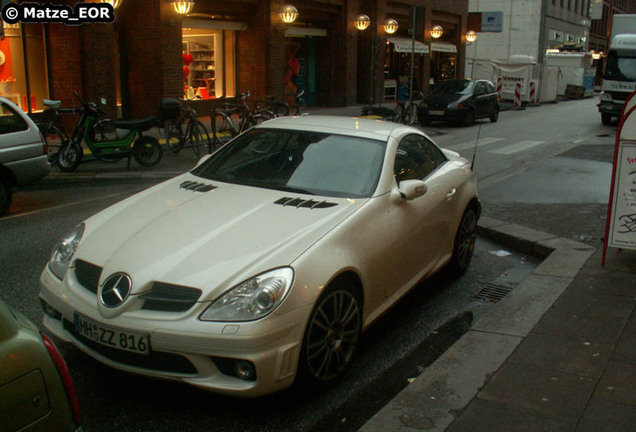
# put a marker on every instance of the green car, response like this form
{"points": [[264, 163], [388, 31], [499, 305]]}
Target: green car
{"points": [[36, 389]]}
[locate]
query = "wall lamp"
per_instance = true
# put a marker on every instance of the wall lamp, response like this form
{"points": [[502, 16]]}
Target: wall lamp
{"points": [[390, 26], [288, 14], [437, 31], [362, 22], [471, 36]]}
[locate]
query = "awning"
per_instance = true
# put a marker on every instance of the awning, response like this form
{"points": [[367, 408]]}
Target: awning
{"points": [[403, 45], [213, 24], [443, 47]]}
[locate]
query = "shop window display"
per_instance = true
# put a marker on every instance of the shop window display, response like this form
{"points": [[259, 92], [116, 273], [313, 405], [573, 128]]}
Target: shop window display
{"points": [[23, 69]]}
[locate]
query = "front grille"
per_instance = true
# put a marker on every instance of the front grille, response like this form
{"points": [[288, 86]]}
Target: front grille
{"points": [[619, 96], [301, 203], [87, 275], [155, 360], [170, 298]]}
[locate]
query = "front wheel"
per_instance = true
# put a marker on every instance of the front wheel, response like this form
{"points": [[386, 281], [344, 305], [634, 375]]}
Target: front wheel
{"points": [[199, 139], [464, 243], [5, 195], [606, 119], [332, 335], [69, 157], [469, 118], [494, 116], [147, 151]]}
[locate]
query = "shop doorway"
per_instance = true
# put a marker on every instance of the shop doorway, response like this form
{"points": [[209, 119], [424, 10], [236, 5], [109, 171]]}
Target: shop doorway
{"points": [[300, 69]]}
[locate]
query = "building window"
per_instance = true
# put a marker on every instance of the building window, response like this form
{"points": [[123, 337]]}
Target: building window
{"points": [[209, 65], [23, 74]]}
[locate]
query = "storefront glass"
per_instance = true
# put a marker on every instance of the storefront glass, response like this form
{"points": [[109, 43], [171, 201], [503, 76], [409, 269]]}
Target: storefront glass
{"points": [[208, 63], [23, 69]]}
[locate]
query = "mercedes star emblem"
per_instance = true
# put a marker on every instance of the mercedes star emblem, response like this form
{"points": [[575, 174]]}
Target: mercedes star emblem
{"points": [[115, 289]]}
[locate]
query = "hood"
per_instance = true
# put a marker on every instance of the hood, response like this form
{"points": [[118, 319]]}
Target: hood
{"points": [[444, 98], [205, 234]]}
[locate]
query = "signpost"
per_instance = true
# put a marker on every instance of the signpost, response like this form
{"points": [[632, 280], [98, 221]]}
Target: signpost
{"points": [[620, 228]]}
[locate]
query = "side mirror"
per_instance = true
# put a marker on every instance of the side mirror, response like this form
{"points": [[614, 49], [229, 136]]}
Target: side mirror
{"points": [[203, 159], [411, 189]]}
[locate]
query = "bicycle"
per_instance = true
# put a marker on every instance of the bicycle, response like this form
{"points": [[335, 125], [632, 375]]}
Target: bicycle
{"points": [[193, 134], [406, 111], [223, 125]]}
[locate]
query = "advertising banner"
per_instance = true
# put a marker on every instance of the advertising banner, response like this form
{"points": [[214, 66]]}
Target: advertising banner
{"points": [[511, 74]]}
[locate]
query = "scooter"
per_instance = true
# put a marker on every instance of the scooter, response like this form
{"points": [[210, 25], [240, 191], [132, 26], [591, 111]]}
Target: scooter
{"points": [[145, 149]]}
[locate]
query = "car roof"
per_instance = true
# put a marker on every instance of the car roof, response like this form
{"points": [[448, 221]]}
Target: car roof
{"points": [[352, 126]]}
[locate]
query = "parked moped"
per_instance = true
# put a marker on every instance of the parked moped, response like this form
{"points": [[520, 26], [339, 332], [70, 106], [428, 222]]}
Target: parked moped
{"points": [[145, 149]]}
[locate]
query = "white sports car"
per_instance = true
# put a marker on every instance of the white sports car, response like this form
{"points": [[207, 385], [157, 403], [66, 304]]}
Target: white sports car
{"points": [[265, 262]]}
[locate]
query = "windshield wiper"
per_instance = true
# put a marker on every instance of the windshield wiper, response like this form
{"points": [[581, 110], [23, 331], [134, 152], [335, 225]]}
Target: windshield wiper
{"points": [[291, 189]]}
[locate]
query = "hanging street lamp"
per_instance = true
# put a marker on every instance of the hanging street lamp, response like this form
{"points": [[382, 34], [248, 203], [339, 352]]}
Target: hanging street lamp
{"points": [[362, 22], [390, 26]]}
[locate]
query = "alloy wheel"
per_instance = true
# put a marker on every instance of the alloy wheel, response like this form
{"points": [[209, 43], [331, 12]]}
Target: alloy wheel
{"points": [[466, 239]]}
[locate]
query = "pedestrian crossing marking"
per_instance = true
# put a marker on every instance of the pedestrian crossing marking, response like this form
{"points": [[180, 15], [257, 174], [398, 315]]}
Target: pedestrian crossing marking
{"points": [[470, 144], [517, 147]]}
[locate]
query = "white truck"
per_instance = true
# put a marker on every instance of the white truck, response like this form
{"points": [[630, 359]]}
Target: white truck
{"points": [[619, 77]]}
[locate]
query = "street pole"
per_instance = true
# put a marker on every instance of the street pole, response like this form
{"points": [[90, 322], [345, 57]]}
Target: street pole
{"points": [[373, 63], [413, 22]]}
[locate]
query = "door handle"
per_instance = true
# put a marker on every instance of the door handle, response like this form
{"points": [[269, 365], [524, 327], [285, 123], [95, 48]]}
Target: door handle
{"points": [[450, 193]]}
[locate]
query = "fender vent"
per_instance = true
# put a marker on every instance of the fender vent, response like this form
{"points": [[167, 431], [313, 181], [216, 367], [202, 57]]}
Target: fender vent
{"points": [[196, 187], [299, 202]]}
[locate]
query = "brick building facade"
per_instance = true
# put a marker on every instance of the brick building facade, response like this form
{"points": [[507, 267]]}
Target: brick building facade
{"points": [[138, 60]]}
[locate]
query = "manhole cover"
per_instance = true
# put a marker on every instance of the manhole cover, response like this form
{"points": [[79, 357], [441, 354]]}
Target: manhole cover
{"points": [[493, 292]]}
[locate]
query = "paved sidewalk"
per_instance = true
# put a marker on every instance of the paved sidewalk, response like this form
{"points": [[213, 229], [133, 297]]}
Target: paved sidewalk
{"points": [[557, 354]]}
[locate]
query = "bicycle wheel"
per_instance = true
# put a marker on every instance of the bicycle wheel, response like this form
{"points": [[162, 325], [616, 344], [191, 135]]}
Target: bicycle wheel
{"points": [[223, 129], [398, 114], [204, 139], [261, 117], [410, 113], [174, 136], [54, 139], [198, 138]]}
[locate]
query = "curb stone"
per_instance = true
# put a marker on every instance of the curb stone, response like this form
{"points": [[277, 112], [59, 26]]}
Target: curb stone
{"points": [[441, 393]]}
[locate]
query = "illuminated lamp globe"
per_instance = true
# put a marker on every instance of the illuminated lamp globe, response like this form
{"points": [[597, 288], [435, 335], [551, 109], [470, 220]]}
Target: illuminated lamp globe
{"points": [[113, 3], [437, 31], [183, 7], [288, 14], [390, 26], [471, 36], [362, 22]]}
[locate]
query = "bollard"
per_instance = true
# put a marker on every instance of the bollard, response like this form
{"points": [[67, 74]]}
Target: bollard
{"points": [[533, 94]]}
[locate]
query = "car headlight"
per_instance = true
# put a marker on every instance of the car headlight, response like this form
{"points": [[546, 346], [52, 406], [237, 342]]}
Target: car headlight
{"points": [[253, 299], [64, 251], [605, 96], [456, 105]]}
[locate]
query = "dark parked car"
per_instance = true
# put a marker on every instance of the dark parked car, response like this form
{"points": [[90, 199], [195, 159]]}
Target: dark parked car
{"points": [[460, 101]]}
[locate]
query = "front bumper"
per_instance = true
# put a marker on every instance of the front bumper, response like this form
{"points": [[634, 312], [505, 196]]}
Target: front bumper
{"points": [[183, 348], [449, 115], [609, 107]]}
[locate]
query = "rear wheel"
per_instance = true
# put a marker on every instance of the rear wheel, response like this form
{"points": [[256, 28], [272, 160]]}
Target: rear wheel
{"points": [[464, 243], [494, 116], [199, 139], [147, 151], [69, 157], [332, 335], [606, 119], [54, 139], [5, 195]]}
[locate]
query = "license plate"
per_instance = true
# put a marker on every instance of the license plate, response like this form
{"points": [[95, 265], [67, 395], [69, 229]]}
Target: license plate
{"points": [[436, 112], [111, 336]]}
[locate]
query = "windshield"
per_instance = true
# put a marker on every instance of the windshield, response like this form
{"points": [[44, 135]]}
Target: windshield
{"points": [[461, 86], [621, 65], [298, 161]]}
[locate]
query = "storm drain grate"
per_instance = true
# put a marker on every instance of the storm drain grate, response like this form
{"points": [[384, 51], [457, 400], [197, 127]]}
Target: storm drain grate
{"points": [[493, 292]]}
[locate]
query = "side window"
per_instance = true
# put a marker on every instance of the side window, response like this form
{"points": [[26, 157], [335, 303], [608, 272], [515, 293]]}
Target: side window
{"points": [[416, 158], [480, 88], [491, 87], [10, 121]]}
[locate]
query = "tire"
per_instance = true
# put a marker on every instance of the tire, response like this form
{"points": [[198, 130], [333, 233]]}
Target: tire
{"points": [[147, 151], [411, 115], [69, 157], [331, 336], [224, 127], [54, 140], [199, 139], [5, 195], [464, 244], [606, 119], [494, 116], [469, 118]]}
